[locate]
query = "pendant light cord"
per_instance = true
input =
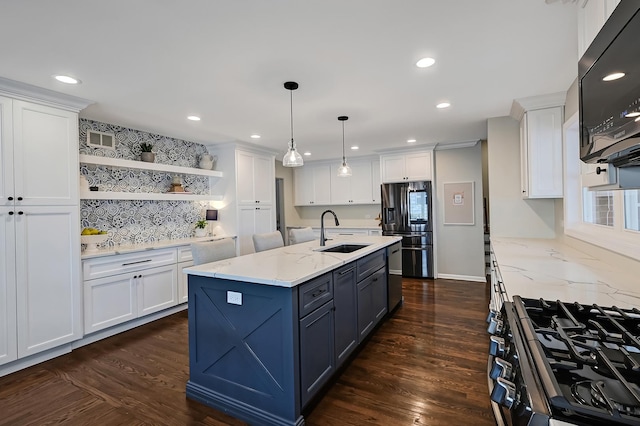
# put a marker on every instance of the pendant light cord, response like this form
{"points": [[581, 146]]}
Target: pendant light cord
{"points": [[291, 110], [343, 157]]}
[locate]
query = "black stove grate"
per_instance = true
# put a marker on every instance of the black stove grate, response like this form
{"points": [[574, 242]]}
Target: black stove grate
{"points": [[588, 358]]}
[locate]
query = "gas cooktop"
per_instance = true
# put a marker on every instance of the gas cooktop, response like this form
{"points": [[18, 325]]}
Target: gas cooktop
{"points": [[587, 358]]}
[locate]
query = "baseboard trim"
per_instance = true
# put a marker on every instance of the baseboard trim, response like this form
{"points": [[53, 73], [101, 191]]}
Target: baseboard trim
{"points": [[472, 278]]}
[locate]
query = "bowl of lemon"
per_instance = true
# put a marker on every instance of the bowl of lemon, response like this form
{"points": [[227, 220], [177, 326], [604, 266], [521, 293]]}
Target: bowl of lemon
{"points": [[92, 237]]}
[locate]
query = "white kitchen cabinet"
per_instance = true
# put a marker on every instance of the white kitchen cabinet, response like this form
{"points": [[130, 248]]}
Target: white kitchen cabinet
{"points": [[355, 189], [406, 167], [185, 260], [541, 153], [40, 293], [592, 14], [312, 185], [255, 178], [124, 287], [375, 182], [253, 220]]}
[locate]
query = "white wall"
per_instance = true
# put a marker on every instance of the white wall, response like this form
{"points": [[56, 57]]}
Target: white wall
{"points": [[511, 215], [460, 248]]}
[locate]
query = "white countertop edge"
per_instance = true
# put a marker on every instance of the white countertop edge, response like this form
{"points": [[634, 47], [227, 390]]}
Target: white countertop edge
{"points": [[325, 262], [553, 270], [133, 248]]}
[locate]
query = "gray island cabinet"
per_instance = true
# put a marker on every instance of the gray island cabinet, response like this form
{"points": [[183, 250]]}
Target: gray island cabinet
{"points": [[260, 349]]}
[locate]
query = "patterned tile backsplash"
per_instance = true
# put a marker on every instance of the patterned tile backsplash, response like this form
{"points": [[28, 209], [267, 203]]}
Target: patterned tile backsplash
{"points": [[135, 221]]}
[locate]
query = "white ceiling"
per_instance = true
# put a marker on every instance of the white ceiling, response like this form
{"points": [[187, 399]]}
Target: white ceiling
{"points": [[147, 64]]}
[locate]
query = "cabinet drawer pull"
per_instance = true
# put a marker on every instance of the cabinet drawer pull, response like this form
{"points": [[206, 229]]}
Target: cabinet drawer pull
{"points": [[375, 279], [395, 251], [319, 292], [135, 263], [347, 271]]}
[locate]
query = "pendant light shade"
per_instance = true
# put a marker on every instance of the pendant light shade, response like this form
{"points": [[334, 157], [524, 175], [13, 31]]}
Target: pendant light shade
{"points": [[344, 170], [292, 158]]}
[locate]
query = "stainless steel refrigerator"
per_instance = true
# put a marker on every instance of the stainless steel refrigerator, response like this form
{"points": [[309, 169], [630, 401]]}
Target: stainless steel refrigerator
{"points": [[406, 212]]}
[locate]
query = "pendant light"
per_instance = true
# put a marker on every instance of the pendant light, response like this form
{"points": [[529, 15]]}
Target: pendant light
{"points": [[292, 158], [344, 170]]}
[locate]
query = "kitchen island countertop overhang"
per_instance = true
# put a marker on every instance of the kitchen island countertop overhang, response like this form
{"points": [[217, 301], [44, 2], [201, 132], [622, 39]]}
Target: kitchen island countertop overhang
{"points": [[290, 265]]}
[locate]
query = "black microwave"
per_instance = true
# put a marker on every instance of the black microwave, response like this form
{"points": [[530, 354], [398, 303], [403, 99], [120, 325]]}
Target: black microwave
{"points": [[609, 107]]}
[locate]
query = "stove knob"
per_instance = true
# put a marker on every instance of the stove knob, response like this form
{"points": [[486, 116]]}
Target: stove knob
{"points": [[500, 368], [496, 346], [504, 392], [495, 326]]}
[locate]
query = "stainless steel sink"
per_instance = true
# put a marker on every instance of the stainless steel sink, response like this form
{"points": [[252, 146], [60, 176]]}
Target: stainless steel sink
{"points": [[344, 248]]}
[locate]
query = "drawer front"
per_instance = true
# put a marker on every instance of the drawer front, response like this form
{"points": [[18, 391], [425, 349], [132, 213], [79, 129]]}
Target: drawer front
{"points": [[371, 263], [184, 254], [122, 263], [315, 293]]}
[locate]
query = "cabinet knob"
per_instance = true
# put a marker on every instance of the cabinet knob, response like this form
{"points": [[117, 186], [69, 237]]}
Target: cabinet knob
{"points": [[19, 198], [10, 198], [20, 213], [10, 213], [600, 170]]}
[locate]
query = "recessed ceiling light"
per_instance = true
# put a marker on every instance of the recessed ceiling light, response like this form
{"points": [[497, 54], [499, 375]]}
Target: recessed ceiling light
{"points": [[633, 114], [411, 140], [67, 79], [254, 136], [613, 76], [425, 62], [355, 147], [193, 118], [443, 105]]}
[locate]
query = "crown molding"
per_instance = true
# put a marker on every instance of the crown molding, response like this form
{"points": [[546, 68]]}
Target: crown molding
{"points": [[413, 148], [456, 145], [27, 92], [522, 105]]}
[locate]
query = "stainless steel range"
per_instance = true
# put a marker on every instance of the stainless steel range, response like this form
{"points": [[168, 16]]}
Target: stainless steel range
{"points": [[555, 363]]}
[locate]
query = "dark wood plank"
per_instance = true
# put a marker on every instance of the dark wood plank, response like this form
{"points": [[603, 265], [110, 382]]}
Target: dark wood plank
{"points": [[426, 365]]}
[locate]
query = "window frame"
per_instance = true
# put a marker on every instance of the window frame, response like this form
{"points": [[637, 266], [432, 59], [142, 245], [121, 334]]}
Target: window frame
{"points": [[617, 238]]}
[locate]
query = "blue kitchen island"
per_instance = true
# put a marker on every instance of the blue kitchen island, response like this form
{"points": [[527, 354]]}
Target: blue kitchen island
{"points": [[268, 330]]}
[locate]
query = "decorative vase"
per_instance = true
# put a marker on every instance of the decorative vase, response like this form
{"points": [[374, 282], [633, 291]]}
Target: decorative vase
{"points": [[149, 157], [206, 162], [201, 232]]}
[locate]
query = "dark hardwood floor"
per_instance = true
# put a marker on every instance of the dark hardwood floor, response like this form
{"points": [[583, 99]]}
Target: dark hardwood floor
{"points": [[426, 365]]}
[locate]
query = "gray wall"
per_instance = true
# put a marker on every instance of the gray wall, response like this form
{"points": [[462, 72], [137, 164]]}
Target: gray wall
{"points": [[460, 248], [511, 215]]}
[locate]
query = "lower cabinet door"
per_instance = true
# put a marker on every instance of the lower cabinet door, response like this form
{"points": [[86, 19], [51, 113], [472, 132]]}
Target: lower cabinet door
{"points": [[365, 308], [157, 289], [379, 294], [317, 354], [183, 289], [109, 301], [346, 311]]}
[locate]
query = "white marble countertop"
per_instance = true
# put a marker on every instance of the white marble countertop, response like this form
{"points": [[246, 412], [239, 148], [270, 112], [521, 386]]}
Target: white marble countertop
{"points": [[549, 269], [132, 248], [290, 265]]}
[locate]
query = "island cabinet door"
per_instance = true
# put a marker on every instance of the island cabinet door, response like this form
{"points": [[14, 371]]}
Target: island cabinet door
{"points": [[317, 353], [379, 294], [346, 311]]}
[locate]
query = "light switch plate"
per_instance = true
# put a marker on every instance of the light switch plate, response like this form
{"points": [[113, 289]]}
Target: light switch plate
{"points": [[234, 298]]}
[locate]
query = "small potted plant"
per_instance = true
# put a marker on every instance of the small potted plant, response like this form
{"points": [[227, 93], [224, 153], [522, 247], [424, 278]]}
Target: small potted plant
{"points": [[201, 228], [146, 154]]}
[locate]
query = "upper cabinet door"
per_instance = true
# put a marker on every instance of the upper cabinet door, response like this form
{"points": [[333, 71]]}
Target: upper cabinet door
{"points": [[303, 186], [255, 178], [542, 148], [341, 186], [6, 151], [393, 168], [45, 155], [418, 166], [375, 182], [264, 179], [322, 184], [361, 184]]}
